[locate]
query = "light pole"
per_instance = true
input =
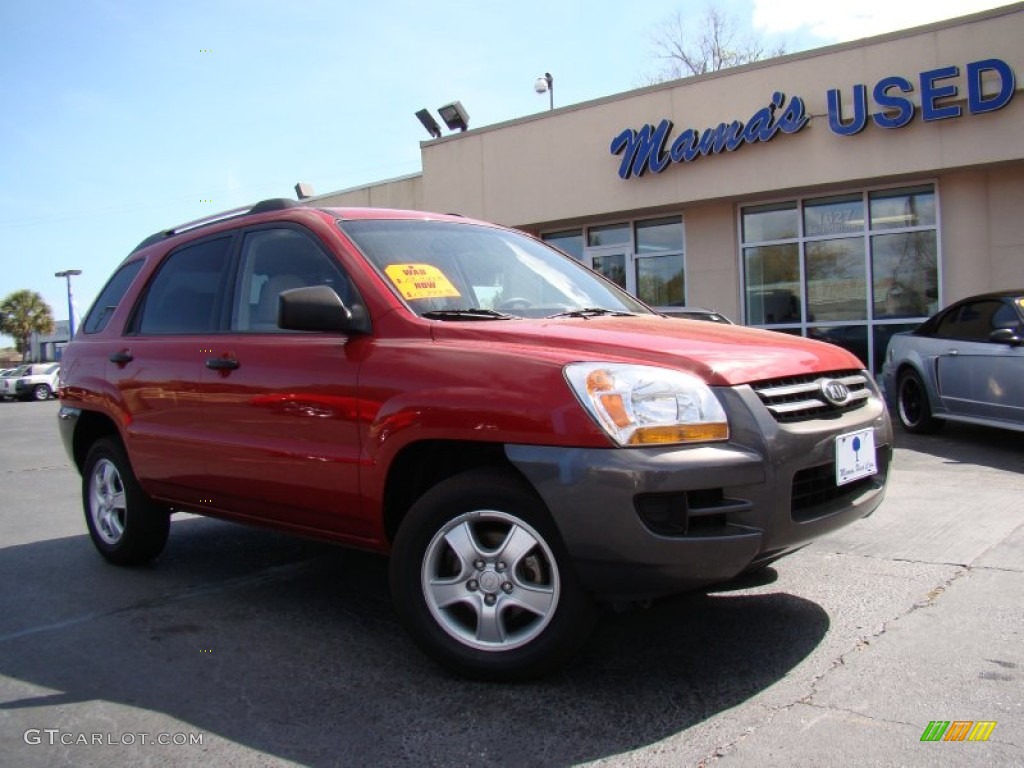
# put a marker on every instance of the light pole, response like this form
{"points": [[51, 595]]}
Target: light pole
{"points": [[546, 84], [68, 274]]}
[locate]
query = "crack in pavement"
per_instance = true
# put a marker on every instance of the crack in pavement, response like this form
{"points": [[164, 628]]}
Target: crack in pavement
{"points": [[930, 599]]}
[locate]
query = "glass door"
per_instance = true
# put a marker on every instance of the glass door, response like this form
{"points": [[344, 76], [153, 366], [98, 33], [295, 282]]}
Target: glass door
{"points": [[612, 266]]}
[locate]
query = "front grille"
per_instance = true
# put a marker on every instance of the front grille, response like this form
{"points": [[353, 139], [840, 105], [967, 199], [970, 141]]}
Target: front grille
{"points": [[801, 398], [816, 486]]}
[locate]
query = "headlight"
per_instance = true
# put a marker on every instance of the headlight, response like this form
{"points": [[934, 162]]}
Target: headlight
{"points": [[644, 405]]}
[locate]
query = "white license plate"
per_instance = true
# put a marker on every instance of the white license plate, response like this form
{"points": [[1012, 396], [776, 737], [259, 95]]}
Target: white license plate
{"points": [[855, 456]]}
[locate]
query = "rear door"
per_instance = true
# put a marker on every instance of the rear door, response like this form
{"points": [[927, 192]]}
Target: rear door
{"points": [[157, 369]]}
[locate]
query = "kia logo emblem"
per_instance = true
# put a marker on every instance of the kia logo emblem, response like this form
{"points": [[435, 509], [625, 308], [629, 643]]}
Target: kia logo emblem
{"points": [[834, 391]]}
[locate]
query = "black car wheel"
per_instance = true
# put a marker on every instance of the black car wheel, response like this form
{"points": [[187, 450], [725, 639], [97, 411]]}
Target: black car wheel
{"points": [[482, 582], [125, 525], [41, 392], [915, 412]]}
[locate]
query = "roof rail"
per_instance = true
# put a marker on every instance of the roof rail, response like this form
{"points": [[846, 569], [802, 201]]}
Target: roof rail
{"points": [[264, 206]]}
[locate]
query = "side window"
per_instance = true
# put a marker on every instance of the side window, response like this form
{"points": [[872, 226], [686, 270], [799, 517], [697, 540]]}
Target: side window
{"points": [[972, 322], [182, 298], [1006, 317], [103, 308], [276, 260]]}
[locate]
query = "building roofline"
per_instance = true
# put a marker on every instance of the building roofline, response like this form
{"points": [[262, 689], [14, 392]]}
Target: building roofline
{"points": [[812, 53]]}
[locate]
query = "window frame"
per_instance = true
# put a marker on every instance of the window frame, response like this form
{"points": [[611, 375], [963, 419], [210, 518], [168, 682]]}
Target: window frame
{"points": [[133, 326], [870, 323]]}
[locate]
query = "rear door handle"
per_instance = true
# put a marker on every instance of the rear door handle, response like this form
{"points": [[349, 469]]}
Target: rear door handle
{"points": [[222, 364], [122, 357]]}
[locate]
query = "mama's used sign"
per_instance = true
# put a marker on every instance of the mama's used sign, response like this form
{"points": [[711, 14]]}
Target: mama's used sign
{"points": [[652, 148]]}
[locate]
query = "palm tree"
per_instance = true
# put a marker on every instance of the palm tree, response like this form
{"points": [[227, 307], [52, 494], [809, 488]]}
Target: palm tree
{"points": [[23, 312]]}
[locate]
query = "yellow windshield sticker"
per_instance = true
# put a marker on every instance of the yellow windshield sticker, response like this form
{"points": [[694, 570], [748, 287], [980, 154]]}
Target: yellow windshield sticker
{"points": [[421, 281], [1020, 303]]}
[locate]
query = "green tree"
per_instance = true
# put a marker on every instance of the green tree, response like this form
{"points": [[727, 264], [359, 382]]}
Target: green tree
{"points": [[23, 312]]}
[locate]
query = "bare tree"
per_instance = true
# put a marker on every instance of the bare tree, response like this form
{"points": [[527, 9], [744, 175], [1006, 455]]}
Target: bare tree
{"points": [[688, 45]]}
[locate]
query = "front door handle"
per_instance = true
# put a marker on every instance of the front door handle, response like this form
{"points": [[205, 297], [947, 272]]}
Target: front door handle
{"points": [[222, 364], [122, 357]]}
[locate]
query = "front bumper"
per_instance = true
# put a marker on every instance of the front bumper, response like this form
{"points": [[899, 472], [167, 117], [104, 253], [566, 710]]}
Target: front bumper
{"points": [[735, 505]]}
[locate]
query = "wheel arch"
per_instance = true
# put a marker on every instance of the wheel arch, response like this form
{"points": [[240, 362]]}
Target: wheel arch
{"points": [[928, 380], [420, 466], [91, 426]]}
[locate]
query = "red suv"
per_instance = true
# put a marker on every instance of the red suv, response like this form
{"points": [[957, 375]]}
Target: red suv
{"points": [[522, 437]]}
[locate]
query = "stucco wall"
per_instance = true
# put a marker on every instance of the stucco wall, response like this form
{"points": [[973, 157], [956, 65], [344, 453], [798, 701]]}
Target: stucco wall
{"points": [[557, 167], [403, 193]]}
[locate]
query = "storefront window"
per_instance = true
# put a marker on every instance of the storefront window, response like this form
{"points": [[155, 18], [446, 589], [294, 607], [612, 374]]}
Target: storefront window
{"points": [[905, 274], [659, 262], [659, 281], [864, 264], [836, 280], [647, 257], [659, 236], [613, 267], [613, 234], [764, 223], [834, 216], [773, 284], [569, 241], [897, 208]]}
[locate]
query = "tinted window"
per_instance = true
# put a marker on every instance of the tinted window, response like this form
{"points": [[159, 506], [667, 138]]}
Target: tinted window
{"points": [[111, 295], [276, 260], [182, 298], [973, 321]]}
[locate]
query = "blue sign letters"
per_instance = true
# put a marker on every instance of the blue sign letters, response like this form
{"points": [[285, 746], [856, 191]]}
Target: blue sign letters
{"points": [[896, 111], [650, 148], [645, 149]]}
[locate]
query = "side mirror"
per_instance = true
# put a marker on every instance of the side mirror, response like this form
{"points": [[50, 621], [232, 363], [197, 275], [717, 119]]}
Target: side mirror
{"points": [[319, 308], [1005, 336]]}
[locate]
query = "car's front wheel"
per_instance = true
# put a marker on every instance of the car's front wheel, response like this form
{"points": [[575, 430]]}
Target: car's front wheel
{"points": [[482, 582], [41, 392], [125, 525], [913, 407]]}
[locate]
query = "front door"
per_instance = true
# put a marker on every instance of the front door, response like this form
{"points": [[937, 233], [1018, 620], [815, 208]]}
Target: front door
{"points": [[281, 406]]}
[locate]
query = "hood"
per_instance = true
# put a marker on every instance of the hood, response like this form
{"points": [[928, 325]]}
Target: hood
{"points": [[722, 355]]}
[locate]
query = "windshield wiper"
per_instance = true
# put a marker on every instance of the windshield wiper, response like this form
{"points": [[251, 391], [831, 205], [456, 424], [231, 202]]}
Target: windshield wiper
{"points": [[473, 313], [592, 312]]}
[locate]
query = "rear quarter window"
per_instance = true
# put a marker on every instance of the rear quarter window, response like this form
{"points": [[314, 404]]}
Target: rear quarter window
{"points": [[106, 303]]}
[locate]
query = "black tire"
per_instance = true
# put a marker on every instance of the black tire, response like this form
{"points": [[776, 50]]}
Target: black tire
{"points": [[125, 525], [41, 392], [487, 512], [912, 405]]}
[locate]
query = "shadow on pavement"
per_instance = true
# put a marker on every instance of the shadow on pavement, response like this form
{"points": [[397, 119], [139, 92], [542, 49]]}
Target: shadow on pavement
{"points": [[1001, 449], [291, 648]]}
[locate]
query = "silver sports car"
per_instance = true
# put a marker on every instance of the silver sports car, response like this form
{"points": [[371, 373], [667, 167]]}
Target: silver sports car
{"points": [[965, 363]]}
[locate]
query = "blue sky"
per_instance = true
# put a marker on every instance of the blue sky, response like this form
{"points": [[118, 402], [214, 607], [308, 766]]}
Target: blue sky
{"points": [[120, 118]]}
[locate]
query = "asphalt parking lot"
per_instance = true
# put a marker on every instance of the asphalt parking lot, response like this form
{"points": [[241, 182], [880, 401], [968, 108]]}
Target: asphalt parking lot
{"points": [[272, 651]]}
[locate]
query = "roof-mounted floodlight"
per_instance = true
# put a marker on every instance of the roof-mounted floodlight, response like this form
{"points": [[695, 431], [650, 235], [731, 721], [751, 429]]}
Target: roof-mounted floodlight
{"points": [[429, 123], [455, 116]]}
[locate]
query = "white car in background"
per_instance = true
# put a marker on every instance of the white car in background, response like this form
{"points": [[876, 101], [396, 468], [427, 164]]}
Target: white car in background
{"points": [[31, 382]]}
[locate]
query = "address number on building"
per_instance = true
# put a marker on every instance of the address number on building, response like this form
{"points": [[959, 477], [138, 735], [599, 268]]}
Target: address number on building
{"points": [[855, 456]]}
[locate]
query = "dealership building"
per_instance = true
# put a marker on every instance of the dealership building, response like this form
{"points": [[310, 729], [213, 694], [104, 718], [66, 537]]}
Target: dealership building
{"points": [[842, 193]]}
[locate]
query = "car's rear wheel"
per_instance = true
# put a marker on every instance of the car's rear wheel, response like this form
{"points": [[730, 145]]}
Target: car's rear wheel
{"points": [[913, 407], [41, 392], [482, 582], [125, 525]]}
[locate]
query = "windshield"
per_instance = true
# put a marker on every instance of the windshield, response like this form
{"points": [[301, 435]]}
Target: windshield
{"points": [[454, 271]]}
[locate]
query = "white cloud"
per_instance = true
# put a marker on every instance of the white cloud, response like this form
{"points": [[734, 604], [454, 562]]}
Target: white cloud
{"points": [[836, 21]]}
